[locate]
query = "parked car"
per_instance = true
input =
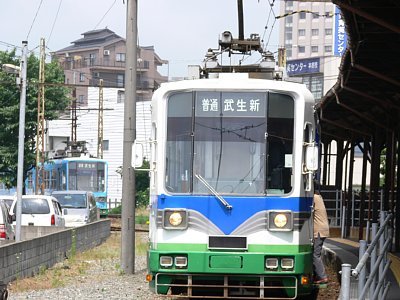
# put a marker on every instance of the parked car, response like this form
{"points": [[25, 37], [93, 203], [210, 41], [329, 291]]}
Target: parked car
{"points": [[79, 207], [39, 210], [8, 200], [6, 229]]}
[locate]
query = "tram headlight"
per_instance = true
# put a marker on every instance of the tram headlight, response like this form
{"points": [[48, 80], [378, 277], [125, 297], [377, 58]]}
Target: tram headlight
{"points": [[181, 261], [271, 263], [174, 219], [166, 261], [287, 263], [280, 221]]}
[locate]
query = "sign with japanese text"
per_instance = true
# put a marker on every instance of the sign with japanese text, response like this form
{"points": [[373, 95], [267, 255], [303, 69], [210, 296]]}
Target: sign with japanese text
{"points": [[340, 39], [214, 104], [303, 66], [86, 165]]}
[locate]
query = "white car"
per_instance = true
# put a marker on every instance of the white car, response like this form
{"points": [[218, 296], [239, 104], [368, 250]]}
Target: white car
{"points": [[6, 228], [39, 210], [8, 200], [79, 207]]}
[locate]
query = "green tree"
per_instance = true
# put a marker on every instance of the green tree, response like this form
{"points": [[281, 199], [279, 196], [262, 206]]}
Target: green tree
{"points": [[56, 100], [142, 183]]}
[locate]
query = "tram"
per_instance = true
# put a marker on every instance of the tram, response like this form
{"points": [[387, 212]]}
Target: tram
{"points": [[231, 189], [73, 173]]}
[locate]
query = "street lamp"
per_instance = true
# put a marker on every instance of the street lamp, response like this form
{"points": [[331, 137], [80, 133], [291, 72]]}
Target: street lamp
{"points": [[21, 134]]}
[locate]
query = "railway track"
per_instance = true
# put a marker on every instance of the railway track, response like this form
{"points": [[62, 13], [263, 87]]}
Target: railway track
{"points": [[116, 224]]}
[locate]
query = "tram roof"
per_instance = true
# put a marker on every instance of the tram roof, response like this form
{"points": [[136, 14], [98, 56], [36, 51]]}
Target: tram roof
{"points": [[231, 81]]}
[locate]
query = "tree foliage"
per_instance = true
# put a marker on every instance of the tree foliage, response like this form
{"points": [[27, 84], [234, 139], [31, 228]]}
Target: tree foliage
{"points": [[142, 184], [56, 100]]}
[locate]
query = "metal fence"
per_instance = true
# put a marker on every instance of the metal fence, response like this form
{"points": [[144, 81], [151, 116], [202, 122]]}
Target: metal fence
{"points": [[373, 264]]}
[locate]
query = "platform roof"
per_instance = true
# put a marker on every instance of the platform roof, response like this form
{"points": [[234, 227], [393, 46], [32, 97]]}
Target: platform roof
{"points": [[365, 101]]}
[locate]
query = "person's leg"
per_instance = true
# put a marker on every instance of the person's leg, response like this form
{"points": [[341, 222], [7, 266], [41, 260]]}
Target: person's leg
{"points": [[319, 269]]}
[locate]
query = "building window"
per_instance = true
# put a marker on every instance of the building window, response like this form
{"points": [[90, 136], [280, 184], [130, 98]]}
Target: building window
{"points": [[81, 77], [314, 32], [315, 84], [302, 32], [328, 14], [302, 15], [289, 5], [92, 59], [328, 48], [81, 99], [314, 49], [289, 21], [315, 15], [328, 31], [106, 145], [120, 57], [120, 80], [302, 49], [121, 97]]}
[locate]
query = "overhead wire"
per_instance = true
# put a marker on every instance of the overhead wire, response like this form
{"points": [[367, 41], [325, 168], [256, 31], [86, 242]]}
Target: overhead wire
{"points": [[34, 19], [273, 24], [112, 5], [54, 22]]}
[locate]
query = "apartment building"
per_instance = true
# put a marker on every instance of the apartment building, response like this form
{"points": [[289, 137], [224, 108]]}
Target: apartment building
{"points": [[314, 38], [100, 54]]}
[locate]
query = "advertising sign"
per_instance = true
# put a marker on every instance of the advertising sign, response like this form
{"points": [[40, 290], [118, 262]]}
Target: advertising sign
{"points": [[340, 39], [303, 66]]}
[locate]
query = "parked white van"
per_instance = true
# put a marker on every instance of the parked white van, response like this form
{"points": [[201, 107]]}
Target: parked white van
{"points": [[6, 228], [79, 207], [39, 210]]}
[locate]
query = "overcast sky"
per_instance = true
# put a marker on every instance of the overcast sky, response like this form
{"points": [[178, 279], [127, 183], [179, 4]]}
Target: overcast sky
{"points": [[181, 31]]}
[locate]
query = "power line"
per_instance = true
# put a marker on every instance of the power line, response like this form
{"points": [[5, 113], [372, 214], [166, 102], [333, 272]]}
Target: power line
{"points": [[105, 14], [54, 22], [34, 19]]}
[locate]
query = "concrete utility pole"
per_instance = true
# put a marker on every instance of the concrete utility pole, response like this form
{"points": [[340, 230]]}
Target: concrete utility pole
{"points": [[39, 187], [21, 141], [100, 122], [128, 173]]}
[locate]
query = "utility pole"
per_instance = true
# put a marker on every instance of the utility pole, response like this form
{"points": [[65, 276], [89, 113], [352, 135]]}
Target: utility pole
{"points": [[100, 122], [128, 173], [21, 141], [39, 187], [282, 57], [73, 117]]}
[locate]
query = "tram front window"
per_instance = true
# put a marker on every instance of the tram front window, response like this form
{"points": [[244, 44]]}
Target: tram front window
{"points": [[86, 176], [223, 138]]}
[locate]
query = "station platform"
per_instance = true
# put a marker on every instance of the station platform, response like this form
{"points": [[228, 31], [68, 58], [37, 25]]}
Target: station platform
{"points": [[338, 251]]}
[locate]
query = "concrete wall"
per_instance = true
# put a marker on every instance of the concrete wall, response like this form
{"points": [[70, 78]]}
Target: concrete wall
{"points": [[26, 258]]}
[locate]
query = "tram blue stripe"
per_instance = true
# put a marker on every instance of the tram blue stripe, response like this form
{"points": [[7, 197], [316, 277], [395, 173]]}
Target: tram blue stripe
{"points": [[243, 207]]}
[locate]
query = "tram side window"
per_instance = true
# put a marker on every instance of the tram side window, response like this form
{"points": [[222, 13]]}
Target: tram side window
{"points": [[100, 177], [63, 181], [280, 143], [53, 179], [72, 175], [179, 143]]}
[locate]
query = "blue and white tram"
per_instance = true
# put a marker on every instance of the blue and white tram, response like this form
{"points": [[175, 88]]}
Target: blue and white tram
{"points": [[73, 173], [231, 193]]}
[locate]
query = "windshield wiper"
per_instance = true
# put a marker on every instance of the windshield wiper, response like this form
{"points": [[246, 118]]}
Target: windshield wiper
{"points": [[213, 191]]}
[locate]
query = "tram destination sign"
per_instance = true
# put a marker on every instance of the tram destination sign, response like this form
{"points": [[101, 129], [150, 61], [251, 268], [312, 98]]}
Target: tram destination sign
{"points": [[214, 104]]}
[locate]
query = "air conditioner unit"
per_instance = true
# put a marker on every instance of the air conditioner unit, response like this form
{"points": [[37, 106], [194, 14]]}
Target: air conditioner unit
{"points": [[106, 52]]}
